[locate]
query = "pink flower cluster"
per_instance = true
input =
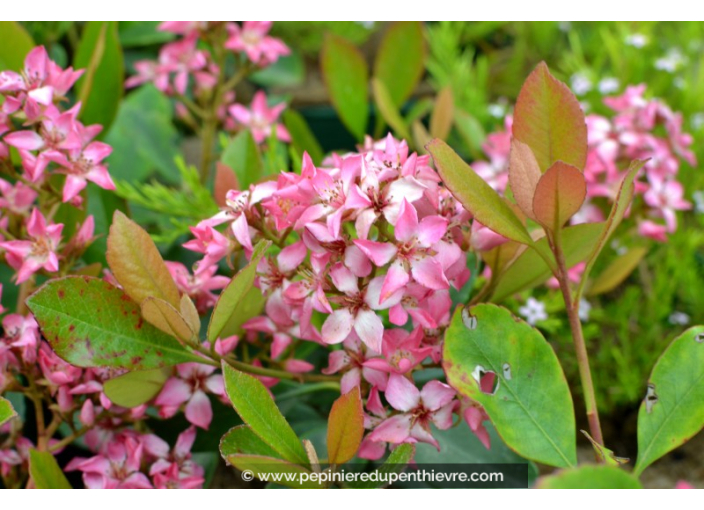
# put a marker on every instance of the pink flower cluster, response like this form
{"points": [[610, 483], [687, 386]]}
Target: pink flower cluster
{"points": [[369, 245], [632, 132], [187, 61]]}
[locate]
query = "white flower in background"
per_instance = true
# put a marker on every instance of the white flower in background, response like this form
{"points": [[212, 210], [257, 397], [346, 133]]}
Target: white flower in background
{"points": [[580, 84], [564, 26], [497, 110], [636, 40], [533, 311], [609, 85], [672, 60], [584, 308], [678, 319], [698, 197], [366, 24], [697, 121]]}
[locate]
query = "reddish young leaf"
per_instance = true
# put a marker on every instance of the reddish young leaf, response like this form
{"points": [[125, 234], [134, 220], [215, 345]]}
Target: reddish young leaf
{"points": [[559, 195], [549, 119], [136, 263], [523, 174], [225, 180], [345, 427]]}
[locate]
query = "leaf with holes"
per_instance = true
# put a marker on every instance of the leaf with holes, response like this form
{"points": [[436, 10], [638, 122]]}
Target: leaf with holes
{"points": [[475, 194], [6, 410], [345, 427], [346, 77], [590, 477], [530, 403], [256, 407], [673, 409], [90, 323], [399, 62], [135, 388], [136, 263], [227, 312], [559, 195], [549, 119]]}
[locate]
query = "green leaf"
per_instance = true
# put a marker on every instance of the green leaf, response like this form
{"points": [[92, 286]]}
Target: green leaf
{"points": [[549, 119], [388, 110], [135, 388], [273, 470], [136, 263], [673, 409], [101, 87], [142, 33], [397, 462], [143, 138], [242, 155], [6, 410], [226, 314], [346, 76], [617, 271], [168, 319], [531, 406], [90, 323], [302, 137], [559, 194], [618, 210], [400, 60], [256, 407], [287, 71], [16, 43], [345, 427], [475, 194], [241, 439], [45, 471], [529, 269], [590, 477]]}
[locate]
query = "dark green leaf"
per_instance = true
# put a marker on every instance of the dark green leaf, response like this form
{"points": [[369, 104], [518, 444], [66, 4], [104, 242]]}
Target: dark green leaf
{"points": [[531, 405], [101, 87], [90, 323], [302, 137], [400, 60], [241, 439], [346, 77]]}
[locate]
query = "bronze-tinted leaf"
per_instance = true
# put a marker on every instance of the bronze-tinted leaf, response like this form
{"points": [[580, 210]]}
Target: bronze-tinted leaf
{"points": [[559, 195]]}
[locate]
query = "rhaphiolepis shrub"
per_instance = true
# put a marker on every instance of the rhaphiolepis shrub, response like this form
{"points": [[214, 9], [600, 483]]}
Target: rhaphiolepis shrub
{"points": [[357, 257]]}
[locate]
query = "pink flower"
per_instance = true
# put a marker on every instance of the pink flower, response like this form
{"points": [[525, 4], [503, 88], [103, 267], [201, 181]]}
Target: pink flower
{"points": [[402, 351], [412, 255], [17, 198], [260, 119], [253, 40], [433, 404], [23, 333], [357, 310], [189, 388], [27, 257], [200, 285], [174, 469], [352, 360]]}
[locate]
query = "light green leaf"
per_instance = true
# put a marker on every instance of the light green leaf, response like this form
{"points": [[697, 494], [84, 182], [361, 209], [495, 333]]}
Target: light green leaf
{"points": [[346, 77], [531, 406], [590, 477], [90, 323], [45, 471], [16, 43], [101, 87], [227, 314], [530, 270], [475, 194], [388, 110], [400, 60], [135, 388], [242, 155], [6, 410], [241, 439], [672, 411], [617, 271], [256, 407]]}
